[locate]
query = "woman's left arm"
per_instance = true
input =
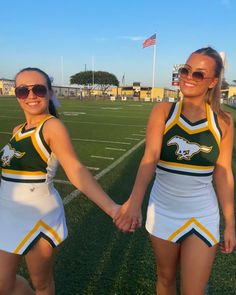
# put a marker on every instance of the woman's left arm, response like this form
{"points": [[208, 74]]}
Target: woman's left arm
{"points": [[224, 184], [57, 137]]}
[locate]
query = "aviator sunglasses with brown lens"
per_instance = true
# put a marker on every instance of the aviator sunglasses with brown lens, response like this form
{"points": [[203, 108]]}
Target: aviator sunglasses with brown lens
{"points": [[22, 92], [197, 76]]}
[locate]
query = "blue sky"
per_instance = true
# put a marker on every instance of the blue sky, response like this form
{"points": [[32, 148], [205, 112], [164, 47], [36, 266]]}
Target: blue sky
{"points": [[61, 37]]}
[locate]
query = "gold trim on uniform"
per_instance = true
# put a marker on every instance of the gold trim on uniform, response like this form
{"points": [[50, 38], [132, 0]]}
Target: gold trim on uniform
{"points": [[18, 135], [210, 124], [189, 131], [211, 128], [194, 167], [175, 119], [197, 224], [38, 149], [39, 224], [8, 171]]}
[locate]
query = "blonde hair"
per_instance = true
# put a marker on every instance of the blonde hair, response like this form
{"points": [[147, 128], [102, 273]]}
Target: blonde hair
{"points": [[214, 94]]}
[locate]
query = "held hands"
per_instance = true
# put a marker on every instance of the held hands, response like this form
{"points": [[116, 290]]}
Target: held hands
{"points": [[227, 246], [128, 217], [114, 210]]}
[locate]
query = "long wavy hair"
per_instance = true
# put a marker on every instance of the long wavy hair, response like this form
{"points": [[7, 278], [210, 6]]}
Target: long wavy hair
{"points": [[51, 107], [214, 94]]}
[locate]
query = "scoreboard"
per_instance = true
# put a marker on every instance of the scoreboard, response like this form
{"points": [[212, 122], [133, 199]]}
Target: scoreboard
{"points": [[175, 74]]}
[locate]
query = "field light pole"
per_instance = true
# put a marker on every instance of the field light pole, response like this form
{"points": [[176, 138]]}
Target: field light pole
{"points": [[93, 71], [62, 75]]}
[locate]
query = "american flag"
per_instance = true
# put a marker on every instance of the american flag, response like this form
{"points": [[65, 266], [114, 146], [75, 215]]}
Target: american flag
{"points": [[150, 41]]}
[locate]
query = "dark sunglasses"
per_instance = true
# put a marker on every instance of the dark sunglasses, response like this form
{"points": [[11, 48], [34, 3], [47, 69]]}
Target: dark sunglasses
{"points": [[197, 76], [22, 92]]}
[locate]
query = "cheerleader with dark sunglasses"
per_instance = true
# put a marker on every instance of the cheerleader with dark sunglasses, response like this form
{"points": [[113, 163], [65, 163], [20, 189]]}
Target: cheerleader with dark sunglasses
{"points": [[32, 219], [189, 145]]}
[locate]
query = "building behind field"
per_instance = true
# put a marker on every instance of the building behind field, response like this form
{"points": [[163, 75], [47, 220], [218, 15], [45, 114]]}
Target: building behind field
{"points": [[66, 91], [134, 92], [7, 87], [143, 93], [232, 91]]}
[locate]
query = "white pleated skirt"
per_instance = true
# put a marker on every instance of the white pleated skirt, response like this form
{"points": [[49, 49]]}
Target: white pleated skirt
{"points": [[181, 205], [29, 211]]}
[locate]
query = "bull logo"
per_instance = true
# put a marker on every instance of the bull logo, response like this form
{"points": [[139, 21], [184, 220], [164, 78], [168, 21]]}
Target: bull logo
{"points": [[185, 149], [8, 153]]}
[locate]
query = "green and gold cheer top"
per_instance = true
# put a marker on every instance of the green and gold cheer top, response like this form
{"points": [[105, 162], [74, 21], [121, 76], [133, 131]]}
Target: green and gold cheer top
{"points": [[27, 158], [190, 148]]}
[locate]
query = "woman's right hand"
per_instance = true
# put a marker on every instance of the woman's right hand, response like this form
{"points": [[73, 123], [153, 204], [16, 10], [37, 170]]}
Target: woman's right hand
{"points": [[228, 245], [128, 217]]}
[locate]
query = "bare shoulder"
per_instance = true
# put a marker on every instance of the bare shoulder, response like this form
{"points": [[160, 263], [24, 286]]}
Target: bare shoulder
{"points": [[53, 124], [162, 109], [54, 128], [227, 124], [163, 105]]}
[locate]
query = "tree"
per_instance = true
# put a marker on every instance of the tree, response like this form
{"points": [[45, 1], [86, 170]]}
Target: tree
{"points": [[102, 80], [225, 84]]}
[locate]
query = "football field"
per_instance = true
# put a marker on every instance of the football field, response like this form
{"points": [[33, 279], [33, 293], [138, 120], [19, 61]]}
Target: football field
{"points": [[96, 258]]}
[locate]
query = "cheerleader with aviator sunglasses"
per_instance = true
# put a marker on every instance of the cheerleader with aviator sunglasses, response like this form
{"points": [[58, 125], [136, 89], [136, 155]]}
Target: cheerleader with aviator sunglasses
{"points": [[189, 145], [32, 220]]}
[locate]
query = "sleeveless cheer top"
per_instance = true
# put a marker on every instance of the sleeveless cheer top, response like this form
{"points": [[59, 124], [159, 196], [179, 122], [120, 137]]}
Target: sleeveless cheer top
{"points": [[190, 148], [27, 158], [30, 206], [183, 200]]}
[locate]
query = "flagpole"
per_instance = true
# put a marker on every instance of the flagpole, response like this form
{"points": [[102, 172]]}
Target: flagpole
{"points": [[148, 42], [153, 70]]}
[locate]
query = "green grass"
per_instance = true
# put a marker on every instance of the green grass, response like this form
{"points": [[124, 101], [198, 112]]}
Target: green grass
{"points": [[96, 258]]}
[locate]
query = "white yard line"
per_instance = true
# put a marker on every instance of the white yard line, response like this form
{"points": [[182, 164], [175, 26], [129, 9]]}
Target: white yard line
{"points": [[102, 157], [62, 181], [110, 108], [103, 141], [133, 105], [135, 134], [131, 138], [112, 116], [115, 149], [3, 132], [93, 168], [12, 117], [98, 123], [76, 192]]}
